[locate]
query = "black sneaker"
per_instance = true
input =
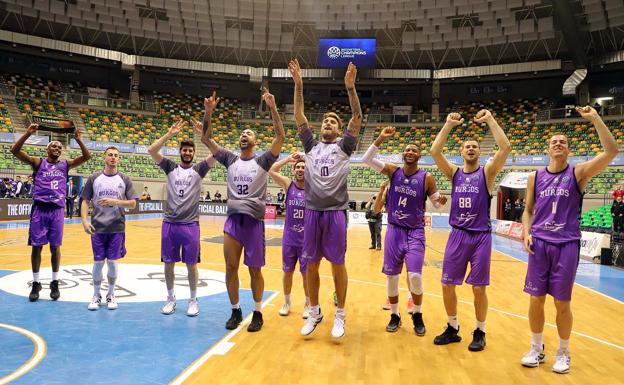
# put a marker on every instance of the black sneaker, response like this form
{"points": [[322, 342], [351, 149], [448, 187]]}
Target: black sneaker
{"points": [[478, 341], [394, 324], [256, 322], [235, 319], [54, 290], [372, 248], [419, 325], [34, 292], [449, 336]]}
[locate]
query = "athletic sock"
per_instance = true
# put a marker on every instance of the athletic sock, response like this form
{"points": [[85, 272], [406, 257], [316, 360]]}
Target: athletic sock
{"points": [[394, 307], [55, 275], [170, 293], [537, 340], [453, 321], [36, 277], [287, 298], [564, 344], [481, 326], [417, 308], [340, 313], [236, 306], [258, 306]]}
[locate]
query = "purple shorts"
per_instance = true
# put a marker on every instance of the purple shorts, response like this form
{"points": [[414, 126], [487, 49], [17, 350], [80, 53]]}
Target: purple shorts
{"points": [[552, 269], [249, 232], [290, 256], [176, 236], [325, 235], [46, 225], [109, 246], [463, 247], [403, 244]]}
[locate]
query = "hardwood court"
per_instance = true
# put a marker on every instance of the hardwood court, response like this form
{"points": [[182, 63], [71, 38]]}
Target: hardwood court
{"points": [[368, 354]]}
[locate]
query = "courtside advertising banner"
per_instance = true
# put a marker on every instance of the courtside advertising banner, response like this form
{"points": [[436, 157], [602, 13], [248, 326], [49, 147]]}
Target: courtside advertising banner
{"points": [[338, 53]]}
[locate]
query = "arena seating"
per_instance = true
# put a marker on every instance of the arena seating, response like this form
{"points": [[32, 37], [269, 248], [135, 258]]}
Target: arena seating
{"points": [[598, 219], [5, 120]]}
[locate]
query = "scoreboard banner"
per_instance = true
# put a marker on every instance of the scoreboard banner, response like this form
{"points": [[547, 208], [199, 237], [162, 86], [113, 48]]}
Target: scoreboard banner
{"points": [[337, 53]]}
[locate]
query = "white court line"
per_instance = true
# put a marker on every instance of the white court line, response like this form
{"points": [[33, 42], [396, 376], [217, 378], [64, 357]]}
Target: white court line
{"points": [[220, 348], [40, 352]]}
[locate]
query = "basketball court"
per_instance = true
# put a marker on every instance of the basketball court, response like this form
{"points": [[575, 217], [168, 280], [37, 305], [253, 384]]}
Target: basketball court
{"points": [[62, 342]]}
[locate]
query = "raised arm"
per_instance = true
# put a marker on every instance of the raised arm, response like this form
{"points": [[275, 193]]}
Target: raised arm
{"points": [[154, 149], [369, 156], [295, 72], [206, 136], [452, 120], [493, 167], [354, 101], [278, 127], [527, 216], [584, 171], [85, 156], [20, 154], [274, 172]]}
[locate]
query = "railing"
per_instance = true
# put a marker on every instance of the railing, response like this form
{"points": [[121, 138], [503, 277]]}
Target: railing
{"points": [[567, 113], [369, 118], [85, 99]]}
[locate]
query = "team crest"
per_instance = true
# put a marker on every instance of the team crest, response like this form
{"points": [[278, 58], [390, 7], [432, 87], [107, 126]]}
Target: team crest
{"points": [[406, 181], [414, 181], [475, 178], [565, 179]]}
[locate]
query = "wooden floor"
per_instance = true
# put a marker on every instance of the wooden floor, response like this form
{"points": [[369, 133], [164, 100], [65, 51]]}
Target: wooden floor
{"points": [[368, 354]]}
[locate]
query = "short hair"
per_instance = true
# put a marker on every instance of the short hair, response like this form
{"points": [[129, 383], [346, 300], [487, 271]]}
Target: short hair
{"points": [[558, 134], [111, 148], [53, 141], [335, 116], [187, 143], [297, 162], [415, 145]]}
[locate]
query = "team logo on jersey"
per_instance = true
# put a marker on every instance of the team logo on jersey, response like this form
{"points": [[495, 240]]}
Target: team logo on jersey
{"points": [[553, 226], [406, 181], [399, 214], [565, 179], [414, 181], [557, 180], [119, 185], [297, 228], [467, 180], [475, 177], [465, 218]]}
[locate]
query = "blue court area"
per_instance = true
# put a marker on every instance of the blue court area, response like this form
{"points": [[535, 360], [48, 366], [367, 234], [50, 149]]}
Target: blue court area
{"points": [[132, 345]]}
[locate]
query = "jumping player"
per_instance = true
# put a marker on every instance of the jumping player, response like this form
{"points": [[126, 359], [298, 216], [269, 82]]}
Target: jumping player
{"points": [[552, 236], [47, 215]]}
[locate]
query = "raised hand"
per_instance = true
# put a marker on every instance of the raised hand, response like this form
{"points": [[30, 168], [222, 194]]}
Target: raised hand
{"points": [[483, 116], [78, 134], [211, 103], [295, 71], [294, 157], [387, 132], [176, 128], [588, 112], [454, 119], [350, 76], [269, 99], [32, 128], [198, 127]]}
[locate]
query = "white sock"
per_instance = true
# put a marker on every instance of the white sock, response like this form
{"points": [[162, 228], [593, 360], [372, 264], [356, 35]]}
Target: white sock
{"points": [[257, 306], [193, 294], [96, 287], [394, 307], [481, 325], [111, 285], [537, 340], [564, 344], [340, 313], [55, 275], [236, 306], [170, 293], [452, 320], [35, 277], [315, 310], [287, 298], [417, 308]]}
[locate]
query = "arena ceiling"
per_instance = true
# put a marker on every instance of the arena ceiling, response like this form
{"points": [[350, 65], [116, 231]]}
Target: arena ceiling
{"points": [[419, 34]]}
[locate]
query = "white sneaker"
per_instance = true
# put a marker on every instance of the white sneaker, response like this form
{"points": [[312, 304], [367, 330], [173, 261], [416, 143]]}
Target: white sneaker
{"points": [[169, 306], [96, 301], [534, 358], [562, 361], [306, 311], [193, 308], [111, 302], [285, 310], [338, 331], [310, 325]]}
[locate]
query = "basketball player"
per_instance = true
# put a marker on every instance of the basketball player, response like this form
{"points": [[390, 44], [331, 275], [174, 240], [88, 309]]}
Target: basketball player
{"points": [[292, 240], [552, 236], [405, 199], [180, 227], [327, 199], [111, 193], [47, 215], [470, 240], [244, 227]]}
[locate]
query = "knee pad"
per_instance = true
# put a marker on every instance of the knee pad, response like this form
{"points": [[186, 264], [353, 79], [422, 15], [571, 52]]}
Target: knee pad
{"points": [[393, 285], [98, 266], [416, 283], [112, 269]]}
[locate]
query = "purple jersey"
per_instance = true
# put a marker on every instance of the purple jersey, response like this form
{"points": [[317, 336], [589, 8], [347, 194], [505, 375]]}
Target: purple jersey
{"points": [[50, 181], [558, 203], [470, 201], [295, 207], [405, 200]]}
